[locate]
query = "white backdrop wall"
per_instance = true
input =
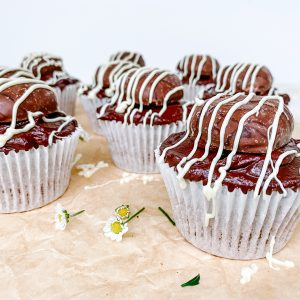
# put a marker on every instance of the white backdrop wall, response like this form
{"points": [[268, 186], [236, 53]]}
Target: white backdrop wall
{"points": [[86, 32]]}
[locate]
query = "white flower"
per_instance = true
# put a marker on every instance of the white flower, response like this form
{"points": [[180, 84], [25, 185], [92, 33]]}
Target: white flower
{"points": [[61, 217], [115, 229]]}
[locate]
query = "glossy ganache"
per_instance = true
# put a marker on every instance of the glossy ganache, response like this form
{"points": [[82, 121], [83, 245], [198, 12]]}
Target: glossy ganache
{"points": [[251, 152], [146, 96], [37, 99]]}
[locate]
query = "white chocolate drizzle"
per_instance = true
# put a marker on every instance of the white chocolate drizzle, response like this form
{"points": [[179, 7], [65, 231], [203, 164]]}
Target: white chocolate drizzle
{"points": [[273, 261], [236, 70], [127, 106], [33, 60], [126, 56], [12, 130], [66, 120], [210, 189], [17, 72], [196, 69], [34, 85], [119, 67], [247, 273], [87, 170]]}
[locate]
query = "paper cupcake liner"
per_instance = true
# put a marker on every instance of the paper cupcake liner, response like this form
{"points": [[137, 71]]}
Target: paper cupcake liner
{"points": [[66, 98], [243, 225], [191, 92], [32, 179], [90, 106], [132, 146]]}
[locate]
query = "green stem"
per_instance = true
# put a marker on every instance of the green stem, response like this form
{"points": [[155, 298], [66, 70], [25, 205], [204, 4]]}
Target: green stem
{"points": [[78, 213], [168, 217], [133, 216]]}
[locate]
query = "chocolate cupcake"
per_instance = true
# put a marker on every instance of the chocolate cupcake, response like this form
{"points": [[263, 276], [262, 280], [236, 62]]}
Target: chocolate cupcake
{"points": [[197, 73], [233, 176], [243, 77], [49, 68], [37, 144], [6, 72], [144, 111], [103, 88], [134, 57]]}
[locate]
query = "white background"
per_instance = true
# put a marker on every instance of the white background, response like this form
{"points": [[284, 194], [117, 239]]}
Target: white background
{"points": [[86, 32]]}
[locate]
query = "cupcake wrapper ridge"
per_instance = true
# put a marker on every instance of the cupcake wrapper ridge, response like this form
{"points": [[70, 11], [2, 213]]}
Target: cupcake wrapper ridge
{"points": [[243, 225]]}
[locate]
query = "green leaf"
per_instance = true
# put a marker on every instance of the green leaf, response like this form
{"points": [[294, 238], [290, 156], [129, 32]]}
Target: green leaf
{"points": [[192, 282]]}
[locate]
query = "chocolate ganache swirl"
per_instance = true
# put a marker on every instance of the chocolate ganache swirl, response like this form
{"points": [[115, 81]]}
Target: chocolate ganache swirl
{"points": [[134, 57], [198, 69], [146, 96], [239, 141], [29, 116]]}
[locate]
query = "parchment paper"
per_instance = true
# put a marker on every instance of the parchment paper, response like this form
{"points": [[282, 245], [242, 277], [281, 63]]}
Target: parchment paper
{"points": [[39, 262]]}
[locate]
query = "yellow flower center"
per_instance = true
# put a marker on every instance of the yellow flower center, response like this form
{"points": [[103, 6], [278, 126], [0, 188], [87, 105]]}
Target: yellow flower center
{"points": [[123, 212], [116, 227]]}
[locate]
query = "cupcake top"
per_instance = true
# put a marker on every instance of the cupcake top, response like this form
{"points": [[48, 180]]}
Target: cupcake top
{"points": [[198, 69], [240, 141], [29, 116], [242, 77], [48, 68], [134, 57], [6, 72], [106, 77], [145, 95]]}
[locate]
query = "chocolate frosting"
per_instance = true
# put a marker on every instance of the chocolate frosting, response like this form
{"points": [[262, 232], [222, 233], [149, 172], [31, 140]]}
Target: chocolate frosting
{"points": [[134, 57], [244, 170], [174, 113], [41, 99], [38, 135], [254, 138], [207, 75]]}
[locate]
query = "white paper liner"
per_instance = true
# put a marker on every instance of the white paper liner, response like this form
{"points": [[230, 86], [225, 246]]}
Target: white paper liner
{"points": [[132, 146], [31, 179], [243, 226], [90, 106], [67, 97], [191, 92]]}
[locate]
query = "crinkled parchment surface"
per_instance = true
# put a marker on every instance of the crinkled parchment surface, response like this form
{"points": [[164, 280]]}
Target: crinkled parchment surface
{"points": [[39, 262]]}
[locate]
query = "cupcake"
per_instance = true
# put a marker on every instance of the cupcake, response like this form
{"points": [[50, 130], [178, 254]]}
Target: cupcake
{"points": [[6, 72], [134, 57], [197, 72], [103, 88], [144, 111], [233, 176], [243, 77], [37, 144], [49, 68]]}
